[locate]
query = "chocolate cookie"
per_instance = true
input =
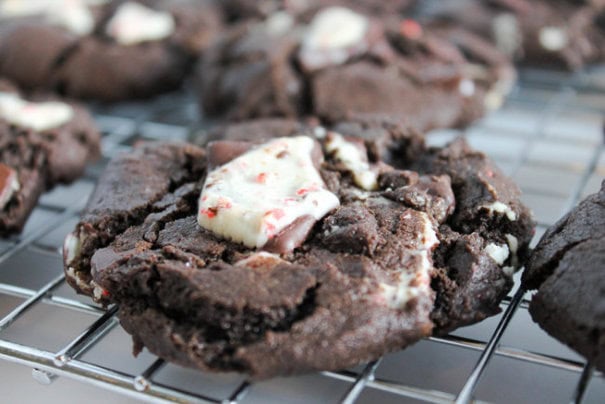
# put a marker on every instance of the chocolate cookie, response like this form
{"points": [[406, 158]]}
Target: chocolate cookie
{"points": [[338, 63], [101, 49], [560, 33], [42, 142], [567, 269], [244, 9], [318, 249]]}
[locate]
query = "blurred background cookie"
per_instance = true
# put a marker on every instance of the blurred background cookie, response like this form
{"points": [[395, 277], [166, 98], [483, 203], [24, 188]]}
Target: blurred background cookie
{"points": [[104, 50]]}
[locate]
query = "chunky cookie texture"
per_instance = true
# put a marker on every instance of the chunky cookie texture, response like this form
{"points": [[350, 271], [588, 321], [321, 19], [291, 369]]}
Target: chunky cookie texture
{"points": [[336, 63], [104, 49], [566, 268], [565, 34], [373, 270], [42, 142]]}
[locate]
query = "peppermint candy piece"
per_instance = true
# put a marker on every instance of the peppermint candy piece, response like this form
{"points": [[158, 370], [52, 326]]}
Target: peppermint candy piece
{"points": [[268, 190]]}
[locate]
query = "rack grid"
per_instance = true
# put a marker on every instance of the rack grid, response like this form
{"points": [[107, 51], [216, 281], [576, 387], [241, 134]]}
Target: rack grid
{"points": [[548, 137]]}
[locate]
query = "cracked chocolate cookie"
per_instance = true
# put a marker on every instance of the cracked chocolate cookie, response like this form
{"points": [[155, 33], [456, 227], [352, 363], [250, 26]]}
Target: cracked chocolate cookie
{"points": [[306, 249], [562, 33], [104, 49], [43, 141], [338, 63], [566, 268]]}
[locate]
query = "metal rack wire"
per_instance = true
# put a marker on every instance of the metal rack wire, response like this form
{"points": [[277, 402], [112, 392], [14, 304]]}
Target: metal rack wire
{"points": [[548, 136]]}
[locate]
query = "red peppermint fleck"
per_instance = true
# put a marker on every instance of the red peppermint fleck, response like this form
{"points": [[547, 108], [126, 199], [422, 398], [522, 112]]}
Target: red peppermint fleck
{"points": [[210, 212], [105, 293], [275, 213], [261, 178], [410, 29], [303, 191], [270, 230], [224, 204], [289, 201]]}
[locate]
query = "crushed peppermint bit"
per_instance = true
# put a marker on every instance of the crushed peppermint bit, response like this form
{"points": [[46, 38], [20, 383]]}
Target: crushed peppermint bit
{"points": [[410, 29], [279, 185]]}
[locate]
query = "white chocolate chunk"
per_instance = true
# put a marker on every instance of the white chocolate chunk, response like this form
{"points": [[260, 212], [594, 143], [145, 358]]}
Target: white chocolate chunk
{"points": [[71, 248], [467, 87], [414, 277], [134, 23], [320, 132], [279, 23], [507, 33], [502, 208], [333, 29], [37, 116], [353, 159], [255, 196], [97, 291], [553, 38], [499, 253], [513, 243]]}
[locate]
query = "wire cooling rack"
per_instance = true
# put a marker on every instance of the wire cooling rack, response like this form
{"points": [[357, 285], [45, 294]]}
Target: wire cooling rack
{"points": [[548, 137]]}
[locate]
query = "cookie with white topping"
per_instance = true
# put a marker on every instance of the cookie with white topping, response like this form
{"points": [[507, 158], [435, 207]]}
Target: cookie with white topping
{"points": [[336, 63], [43, 141], [304, 249], [107, 49], [557, 34]]}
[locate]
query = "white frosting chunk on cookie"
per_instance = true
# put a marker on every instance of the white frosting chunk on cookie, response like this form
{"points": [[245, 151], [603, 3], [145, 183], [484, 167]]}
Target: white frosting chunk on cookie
{"points": [[134, 23], [499, 253], [414, 277], [335, 28], [501, 208], [553, 38], [256, 195], [354, 159], [73, 15], [38, 116]]}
